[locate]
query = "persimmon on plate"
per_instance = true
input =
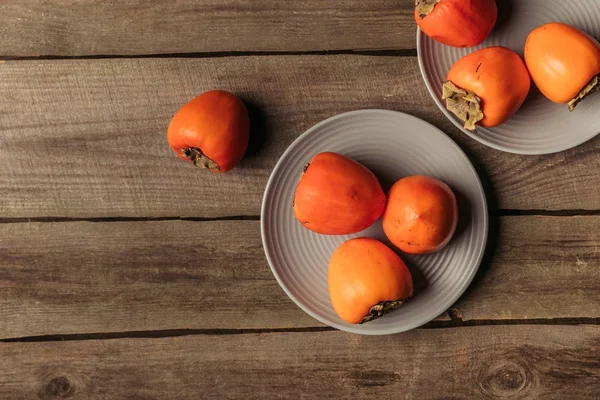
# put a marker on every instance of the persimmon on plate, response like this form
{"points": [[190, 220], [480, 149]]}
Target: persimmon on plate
{"points": [[564, 62], [540, 125], [486, 87], [337, 195], [456, 23], [421, 214], [368, 281]]}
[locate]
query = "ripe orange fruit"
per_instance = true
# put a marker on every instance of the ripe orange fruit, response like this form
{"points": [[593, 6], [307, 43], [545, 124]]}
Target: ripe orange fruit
{"points": [[366, 280], [564, 63], [337, 196], [212, 131], [486, 87], [456, 23], [421, 214]]}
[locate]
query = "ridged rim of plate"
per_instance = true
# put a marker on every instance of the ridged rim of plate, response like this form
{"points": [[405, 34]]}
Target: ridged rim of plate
{"points": [[358, 329], [580, 12]]}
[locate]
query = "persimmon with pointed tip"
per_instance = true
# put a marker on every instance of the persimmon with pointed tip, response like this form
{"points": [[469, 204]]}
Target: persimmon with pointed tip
{"points": [[212, 131], [337, 195], [421, 214], [564, 63], [367, 280]]}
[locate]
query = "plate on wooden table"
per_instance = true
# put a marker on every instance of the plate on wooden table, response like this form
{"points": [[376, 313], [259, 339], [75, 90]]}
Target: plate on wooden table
{"points": [[540, 126], [393, 145]]}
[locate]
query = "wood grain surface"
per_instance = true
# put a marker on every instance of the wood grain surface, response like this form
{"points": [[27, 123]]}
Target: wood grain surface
{"points": [[517, 362], [88, 277], [86, 138], [126, 273], [95, 27]]}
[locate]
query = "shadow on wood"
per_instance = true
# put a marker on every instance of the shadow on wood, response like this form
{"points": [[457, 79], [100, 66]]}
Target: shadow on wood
{"points": [[465, 217], [493, 226], [259, 129]]}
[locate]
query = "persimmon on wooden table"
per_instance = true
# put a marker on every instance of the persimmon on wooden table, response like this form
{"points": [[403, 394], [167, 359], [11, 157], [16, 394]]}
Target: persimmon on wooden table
{"points": [[126, 273]]}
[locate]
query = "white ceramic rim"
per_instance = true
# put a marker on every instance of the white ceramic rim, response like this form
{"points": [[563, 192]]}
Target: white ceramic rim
{"points": [[356, 328]]}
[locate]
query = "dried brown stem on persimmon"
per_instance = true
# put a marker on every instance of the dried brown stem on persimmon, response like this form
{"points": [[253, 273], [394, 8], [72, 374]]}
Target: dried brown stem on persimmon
{"points": [[588, 90], [301, 175], [199, 159], [305, 169], [425, 7], [381, 309], [462, 103]]}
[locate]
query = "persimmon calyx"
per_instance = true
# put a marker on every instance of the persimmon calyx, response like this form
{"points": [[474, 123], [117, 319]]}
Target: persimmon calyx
{"points": [[425, 7], [199, 159], [380, 309], [588, 90], [305, 169], [301, 175], [465, 104]]}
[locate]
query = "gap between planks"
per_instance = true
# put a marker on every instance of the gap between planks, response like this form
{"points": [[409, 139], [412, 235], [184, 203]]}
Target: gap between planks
{"points": [[17, 220], [454, 323], [495, 213], [222, 54]]}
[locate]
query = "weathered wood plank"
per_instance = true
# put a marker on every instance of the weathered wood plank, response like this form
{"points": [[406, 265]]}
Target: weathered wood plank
{"points": [[538, 263], [86, 138], [67, 28], [85, 277], [519, 362], [100, 277]]}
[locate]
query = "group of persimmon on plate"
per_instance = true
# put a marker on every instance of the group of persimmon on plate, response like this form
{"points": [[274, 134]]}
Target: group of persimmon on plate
{"points": [[523, 77], [374, 221]]}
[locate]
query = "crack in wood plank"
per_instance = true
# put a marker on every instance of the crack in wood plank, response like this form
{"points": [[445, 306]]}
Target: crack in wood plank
{"points": [[164, 333], [497, 213], [222, 54], [17, 220]]}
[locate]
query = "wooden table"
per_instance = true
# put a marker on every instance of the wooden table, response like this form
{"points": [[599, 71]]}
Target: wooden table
{"points": [[126, 273]]}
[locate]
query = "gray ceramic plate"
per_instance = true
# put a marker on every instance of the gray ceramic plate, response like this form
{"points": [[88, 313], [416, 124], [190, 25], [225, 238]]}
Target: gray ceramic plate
{"points": [[540, 126], [392, 145]]}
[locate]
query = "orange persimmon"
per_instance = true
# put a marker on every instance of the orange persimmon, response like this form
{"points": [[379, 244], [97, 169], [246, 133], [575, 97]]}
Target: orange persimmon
{"points": [[456, 23], [366, 280], [421, 214], [212, 131], [486, 87], [337, 195], [564, 62]]}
